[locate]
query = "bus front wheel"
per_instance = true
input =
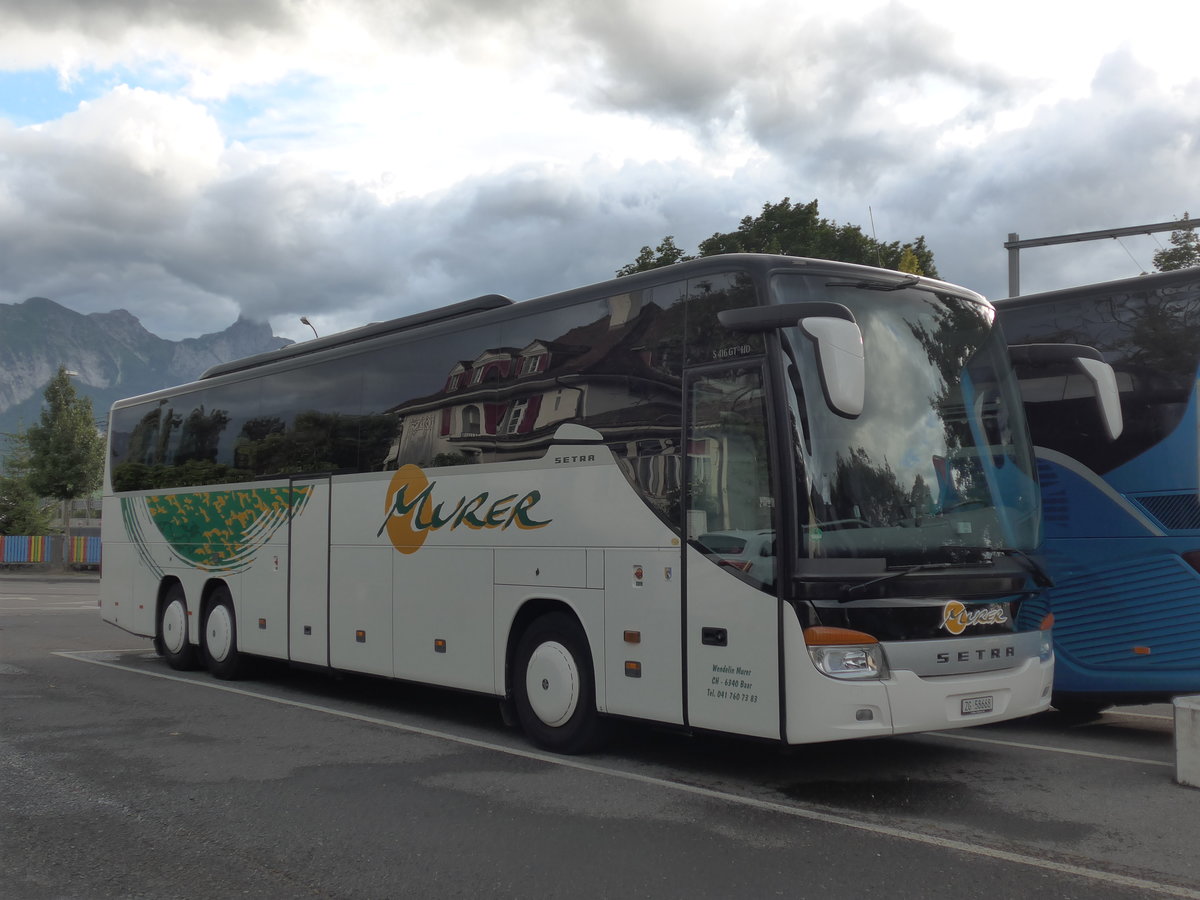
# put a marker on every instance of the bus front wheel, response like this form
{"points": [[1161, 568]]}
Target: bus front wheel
{"points": [[553, 686], [172, 639], [219, 639]]}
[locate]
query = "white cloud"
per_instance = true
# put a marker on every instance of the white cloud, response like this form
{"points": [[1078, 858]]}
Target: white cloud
{"points": [[354, 160]]}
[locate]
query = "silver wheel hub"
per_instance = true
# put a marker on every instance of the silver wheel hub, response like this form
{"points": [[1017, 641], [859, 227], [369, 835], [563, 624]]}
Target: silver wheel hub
{"points": [[174, 626], [218, 633], [552, 683]]}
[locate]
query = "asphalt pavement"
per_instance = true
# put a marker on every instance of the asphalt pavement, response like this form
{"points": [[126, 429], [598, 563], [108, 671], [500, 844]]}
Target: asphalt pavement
{"points": [[120, 777]]}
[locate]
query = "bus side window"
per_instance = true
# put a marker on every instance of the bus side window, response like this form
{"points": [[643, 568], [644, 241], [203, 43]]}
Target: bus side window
{"points": [[730, 513]]}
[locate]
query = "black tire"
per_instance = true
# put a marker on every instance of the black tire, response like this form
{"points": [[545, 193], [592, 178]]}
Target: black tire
{"points": [[219, 638], [553, 686], [173, 639]]}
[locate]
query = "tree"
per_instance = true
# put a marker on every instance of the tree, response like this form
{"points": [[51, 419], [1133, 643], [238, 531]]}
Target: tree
{"points": [[21, 511], [668, 254], [1184, 251], [66, 452], [909, 261], [797, 230]]}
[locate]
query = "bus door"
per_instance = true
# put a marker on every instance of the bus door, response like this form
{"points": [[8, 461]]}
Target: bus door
{"points": [[731, 607], [308, 572]]}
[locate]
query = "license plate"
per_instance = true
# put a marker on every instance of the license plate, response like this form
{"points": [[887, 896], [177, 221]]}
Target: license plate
{"points": [[973, 706]]}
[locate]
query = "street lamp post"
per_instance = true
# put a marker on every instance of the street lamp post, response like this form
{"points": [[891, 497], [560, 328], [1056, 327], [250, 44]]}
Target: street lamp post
{"points": [[66, 504]]}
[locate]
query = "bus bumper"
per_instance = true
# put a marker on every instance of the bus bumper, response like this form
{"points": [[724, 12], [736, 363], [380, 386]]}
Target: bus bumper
{"points": [[955, 701]]}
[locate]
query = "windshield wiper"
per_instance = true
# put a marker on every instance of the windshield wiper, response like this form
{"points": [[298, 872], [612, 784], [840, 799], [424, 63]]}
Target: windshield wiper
{"points": [[865, 285], [1040, 578], [849, 589]]}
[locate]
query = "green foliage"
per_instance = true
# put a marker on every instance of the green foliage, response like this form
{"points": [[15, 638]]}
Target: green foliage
{"points": [[667, 254], [909, 261], [796, 230], [21, 511], [66, 452], [1184, 251]]}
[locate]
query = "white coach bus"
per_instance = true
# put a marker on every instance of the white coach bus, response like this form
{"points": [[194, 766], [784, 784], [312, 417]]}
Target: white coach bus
{"points": [[767, 496]]}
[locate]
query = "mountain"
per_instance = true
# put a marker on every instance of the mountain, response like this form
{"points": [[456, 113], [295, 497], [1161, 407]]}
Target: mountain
{"points": [[112, 353]]}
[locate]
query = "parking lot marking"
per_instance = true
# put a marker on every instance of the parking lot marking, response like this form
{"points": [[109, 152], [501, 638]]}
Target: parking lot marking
{"points": [[1048, 749], [1133, 715], [796, 812]]}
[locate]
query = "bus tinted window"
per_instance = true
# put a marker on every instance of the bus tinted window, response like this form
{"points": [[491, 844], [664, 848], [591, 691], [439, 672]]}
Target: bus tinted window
{"points": [[491, 393], [707, 341]]}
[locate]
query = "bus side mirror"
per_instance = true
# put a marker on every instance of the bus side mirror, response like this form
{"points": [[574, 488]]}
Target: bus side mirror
{"points": [[841, 360], [1089, 361], [1104, 380], [834, 330]]}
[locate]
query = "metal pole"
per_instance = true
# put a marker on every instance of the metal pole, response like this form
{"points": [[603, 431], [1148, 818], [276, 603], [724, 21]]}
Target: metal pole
{"points": [[1014, 264], [1014, 243]]}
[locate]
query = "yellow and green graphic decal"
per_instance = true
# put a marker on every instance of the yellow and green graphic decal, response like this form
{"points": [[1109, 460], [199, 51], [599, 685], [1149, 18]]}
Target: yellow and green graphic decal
{"points": [[415, 508], [216, 531]]}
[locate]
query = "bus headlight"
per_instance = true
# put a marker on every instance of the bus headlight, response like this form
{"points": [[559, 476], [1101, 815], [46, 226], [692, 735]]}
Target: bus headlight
{"points": [[1046, 650], [846, 654]]}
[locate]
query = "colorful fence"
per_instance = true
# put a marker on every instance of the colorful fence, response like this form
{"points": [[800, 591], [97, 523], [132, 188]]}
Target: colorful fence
{"points": [[26, 550], [21, 549], [84, 551]]}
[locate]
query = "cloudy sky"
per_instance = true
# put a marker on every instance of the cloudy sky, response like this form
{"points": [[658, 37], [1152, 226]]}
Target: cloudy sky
{"points": [[354, 160]]}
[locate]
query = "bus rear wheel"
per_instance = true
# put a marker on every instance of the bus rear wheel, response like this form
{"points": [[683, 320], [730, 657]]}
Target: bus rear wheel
{"points": [[219, 638], [172, 640], [553, 686]]}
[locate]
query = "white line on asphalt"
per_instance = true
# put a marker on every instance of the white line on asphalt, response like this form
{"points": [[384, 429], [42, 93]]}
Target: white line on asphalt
{"points": [[1066, 750], [1133, 715], [797, 812], [97, 655]]}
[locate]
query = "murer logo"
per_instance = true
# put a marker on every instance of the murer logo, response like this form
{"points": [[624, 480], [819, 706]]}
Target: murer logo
{"points": [[956, 618], [413, 510]]}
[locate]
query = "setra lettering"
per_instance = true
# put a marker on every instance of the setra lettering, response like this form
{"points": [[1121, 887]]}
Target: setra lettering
{"points": [[977, 655]]}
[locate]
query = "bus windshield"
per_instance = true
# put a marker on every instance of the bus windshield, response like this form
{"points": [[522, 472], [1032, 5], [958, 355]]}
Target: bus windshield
{"points": [[938, 467]]}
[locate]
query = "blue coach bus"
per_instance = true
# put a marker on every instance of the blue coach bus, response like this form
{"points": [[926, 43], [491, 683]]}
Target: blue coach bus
{"points": [[1121, 515]]}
